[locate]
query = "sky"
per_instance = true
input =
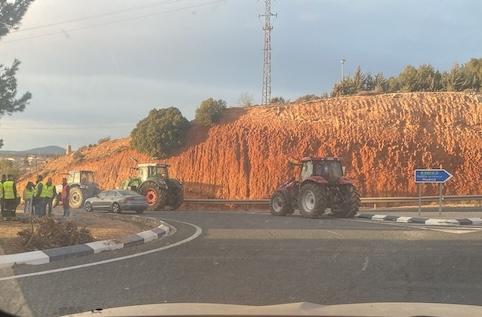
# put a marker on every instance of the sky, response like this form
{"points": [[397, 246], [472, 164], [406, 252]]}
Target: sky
{"points": [[95, 68]]}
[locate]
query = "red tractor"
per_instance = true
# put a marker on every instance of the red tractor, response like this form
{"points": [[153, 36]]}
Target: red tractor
{"points": [[321, 185]]}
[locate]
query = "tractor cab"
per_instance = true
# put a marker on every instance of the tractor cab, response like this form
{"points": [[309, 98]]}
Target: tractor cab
{"points": [[329, 168], [149, 170], [80, 177]]}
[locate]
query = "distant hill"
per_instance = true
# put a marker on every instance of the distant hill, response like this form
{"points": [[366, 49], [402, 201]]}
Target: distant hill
{"points": [[45, 150]]}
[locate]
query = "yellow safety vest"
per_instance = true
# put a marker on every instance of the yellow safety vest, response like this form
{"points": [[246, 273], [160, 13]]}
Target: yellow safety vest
{"points": [[35, 189], [8, 190], [28, 193], [47, 191]]}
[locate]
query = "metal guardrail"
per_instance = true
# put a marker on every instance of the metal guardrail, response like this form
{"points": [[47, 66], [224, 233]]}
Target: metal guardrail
{"points": [[364, 200]]}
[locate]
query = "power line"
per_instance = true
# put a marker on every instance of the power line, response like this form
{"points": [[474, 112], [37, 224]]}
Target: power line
{"points": [[117, 21], [268, 27], [96, 16]]}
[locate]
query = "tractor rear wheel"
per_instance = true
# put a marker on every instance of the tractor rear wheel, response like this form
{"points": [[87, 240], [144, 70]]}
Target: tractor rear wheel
{"points": [[76, 198], [346, 206], [155, 196], [177, 200], [280, 206], [312, 200]]}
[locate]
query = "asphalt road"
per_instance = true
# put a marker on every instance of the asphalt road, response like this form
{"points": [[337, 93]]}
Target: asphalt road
{"points": [[261, 259]]}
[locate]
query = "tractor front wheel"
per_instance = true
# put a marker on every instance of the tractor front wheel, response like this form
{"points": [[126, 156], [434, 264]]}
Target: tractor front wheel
{"points": [[155, 196], [348, 202], [312, 200], [76, 198], [280, 206]]}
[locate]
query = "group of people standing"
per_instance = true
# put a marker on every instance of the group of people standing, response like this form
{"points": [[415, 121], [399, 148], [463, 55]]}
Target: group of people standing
{"points": [[38, 197]]}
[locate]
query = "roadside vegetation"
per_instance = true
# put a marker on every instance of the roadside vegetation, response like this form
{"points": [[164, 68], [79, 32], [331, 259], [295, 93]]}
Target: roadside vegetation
{"points": [[46, 233], [160, 133], [10, 102], [464, 77], [210, 111]]}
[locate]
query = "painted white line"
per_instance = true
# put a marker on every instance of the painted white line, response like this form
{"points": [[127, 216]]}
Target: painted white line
{"points": [[196, 234], [34, 257], [379, 217], [404, 219], [365, 264], [105, 245]]}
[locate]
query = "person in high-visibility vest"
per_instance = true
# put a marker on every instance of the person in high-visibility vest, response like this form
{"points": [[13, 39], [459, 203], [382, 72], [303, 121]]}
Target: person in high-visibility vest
{"points": [[50, 192], [4, 178], [28, 198], [9, 197], [39, 197]]}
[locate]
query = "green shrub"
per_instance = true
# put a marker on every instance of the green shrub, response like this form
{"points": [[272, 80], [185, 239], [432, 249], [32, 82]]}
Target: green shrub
{"points": [[209, 111], [103, 140], [160, 133], [307, 98], [278, 100]]}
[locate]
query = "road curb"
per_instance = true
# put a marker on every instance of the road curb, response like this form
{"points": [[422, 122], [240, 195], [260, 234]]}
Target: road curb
{"points": [[422, 220], [55, 254]]}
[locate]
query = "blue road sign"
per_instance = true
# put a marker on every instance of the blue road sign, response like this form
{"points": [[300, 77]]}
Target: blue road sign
{"points": [[432, 176]]}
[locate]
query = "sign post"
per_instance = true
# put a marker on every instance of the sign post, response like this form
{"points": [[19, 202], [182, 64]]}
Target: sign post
{"points": [[419, 188], [431, 176]]}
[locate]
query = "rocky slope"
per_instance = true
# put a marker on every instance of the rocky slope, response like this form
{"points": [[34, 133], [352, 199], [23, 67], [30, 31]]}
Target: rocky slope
{"points": [[381, 140]]}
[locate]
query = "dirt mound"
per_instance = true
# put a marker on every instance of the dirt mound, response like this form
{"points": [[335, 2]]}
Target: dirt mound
{"points": [[381, 140]]}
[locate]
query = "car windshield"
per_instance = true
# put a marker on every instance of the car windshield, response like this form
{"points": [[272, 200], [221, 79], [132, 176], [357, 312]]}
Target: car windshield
{"points": [[240, 152]]}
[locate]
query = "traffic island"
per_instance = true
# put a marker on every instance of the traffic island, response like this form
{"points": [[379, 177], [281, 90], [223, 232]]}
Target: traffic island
{"points": [[110, 232]]}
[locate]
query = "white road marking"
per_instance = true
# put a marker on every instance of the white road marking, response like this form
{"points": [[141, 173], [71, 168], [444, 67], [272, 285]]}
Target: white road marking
{"points": [[75, 267], [335, 233], [365, 264], [455, 231]]}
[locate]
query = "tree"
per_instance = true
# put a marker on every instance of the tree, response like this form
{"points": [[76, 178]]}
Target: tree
{"points": [[245, 100], [279, 100], [455, 80], [160, 133], [209, 111], [9, 167], [11, 13]]}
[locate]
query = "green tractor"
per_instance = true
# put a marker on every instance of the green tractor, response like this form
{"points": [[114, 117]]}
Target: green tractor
{"points": [[82, 186], [154, 184]]}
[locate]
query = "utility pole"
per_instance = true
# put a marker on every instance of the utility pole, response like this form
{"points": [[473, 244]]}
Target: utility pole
{"points": [[343, 61], [268, 27]]}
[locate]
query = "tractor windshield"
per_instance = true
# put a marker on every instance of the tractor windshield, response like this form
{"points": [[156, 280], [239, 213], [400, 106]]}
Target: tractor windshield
{"points": [[157, 171], [330, 170], [87, 178]]}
